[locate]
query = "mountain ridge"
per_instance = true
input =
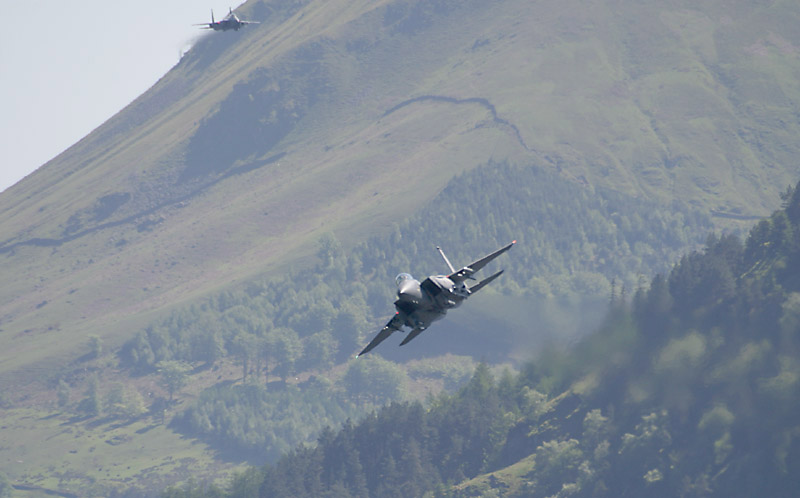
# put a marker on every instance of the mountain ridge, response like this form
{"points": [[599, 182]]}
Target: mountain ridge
{"points": [[690, 388], [367, 64], [341, 121]]}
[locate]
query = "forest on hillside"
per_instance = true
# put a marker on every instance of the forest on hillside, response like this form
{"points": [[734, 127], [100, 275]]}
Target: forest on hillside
{"points": [[690, 388], [573, 241], [154, 229]]}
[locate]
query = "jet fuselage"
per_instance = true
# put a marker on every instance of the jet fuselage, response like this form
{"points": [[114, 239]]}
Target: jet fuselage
{"points": [[421, 303]]}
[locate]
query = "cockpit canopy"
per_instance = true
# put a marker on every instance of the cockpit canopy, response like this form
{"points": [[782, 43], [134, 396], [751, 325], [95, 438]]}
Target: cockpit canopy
{"points": [[402, 278]]}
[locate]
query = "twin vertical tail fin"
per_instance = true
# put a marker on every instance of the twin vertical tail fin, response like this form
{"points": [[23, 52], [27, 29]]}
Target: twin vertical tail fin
{"points": [[452, 270], [485, 281], [467, 272]]}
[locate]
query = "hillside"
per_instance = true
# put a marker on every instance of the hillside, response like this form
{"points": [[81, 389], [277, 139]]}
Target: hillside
{"points": [[240, 155], [266, 190], [690, 390]]}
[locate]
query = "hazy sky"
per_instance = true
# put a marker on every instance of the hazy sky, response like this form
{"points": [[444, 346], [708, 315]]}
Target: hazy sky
{"points": [[66, 67]]}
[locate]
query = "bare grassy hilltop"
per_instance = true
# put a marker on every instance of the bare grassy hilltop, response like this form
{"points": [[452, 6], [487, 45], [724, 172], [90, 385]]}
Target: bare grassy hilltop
{"points": [[351, 117]]}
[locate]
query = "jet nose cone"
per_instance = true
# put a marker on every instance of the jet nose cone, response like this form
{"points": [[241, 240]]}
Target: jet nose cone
{"points": [[409, 291]]}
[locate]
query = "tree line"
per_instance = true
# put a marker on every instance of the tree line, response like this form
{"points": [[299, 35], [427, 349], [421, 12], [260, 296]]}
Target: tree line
{"points": [[573, 241], [689, 388], [262, 422]]}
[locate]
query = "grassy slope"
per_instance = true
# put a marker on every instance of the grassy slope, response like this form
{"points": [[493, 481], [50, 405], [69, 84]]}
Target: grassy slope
{"points": [[231, 230], [661, 100], [671, 103], [76, 456]]}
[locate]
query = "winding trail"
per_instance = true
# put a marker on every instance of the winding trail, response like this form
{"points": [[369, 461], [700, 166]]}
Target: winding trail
{"points": [[9, 246], [468, 101]]}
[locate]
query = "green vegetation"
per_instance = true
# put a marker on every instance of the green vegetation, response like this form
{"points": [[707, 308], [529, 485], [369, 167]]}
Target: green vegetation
{"points": [[696, 396], [310, 318], [247, 215], [253, 146], [314, 318], [264, 423], [99, 456], [174, 375]]}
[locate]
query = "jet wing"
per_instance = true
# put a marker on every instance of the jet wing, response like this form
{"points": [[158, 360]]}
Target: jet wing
{"points": [[414, 333], [386, 331], [467, 271]]}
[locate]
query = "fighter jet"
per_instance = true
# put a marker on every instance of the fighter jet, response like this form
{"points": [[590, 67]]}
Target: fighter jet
{"points": [[420, 304], [231, 21]]}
